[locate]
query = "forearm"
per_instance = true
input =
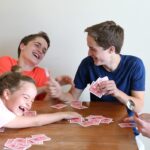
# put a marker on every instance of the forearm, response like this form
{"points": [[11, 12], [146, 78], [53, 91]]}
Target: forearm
{"points": [[66, 97], [39, 120], [72, 95], [44, 119], [123, 98]]}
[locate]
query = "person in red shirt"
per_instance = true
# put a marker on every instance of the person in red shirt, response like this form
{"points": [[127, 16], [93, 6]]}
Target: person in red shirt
{"points": [[31, 51]]}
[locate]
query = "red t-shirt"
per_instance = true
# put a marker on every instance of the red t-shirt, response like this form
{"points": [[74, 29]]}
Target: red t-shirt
{"points": [[38, 74]]}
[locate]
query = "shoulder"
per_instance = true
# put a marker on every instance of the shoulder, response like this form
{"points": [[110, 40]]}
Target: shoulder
{"points": [[7, 58], [40, 72], [132, 60], [1, 104], [39, 69], [6, 115], [6, 63], [87, 61]]}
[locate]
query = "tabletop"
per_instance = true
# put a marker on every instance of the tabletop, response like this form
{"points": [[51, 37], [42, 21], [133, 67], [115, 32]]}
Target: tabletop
{"points": [[67, 136]]}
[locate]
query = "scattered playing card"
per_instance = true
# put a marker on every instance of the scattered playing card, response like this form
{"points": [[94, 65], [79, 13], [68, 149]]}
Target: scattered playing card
{"points": [[127, 125], [41, 137], [76, 120], [25, 143], [77, 104], [86, 123], [106, 120], [17, 144], [59, 106], [91, 120]]}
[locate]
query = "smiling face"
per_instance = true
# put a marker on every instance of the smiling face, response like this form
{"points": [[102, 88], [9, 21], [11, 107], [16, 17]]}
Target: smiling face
{"points": [[34, 51], [98, 54], [21, 99]]}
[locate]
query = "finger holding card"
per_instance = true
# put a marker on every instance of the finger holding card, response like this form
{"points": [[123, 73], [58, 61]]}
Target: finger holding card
{"points": [[109, 87], [143, 126], [127, 125], [128, 119], [145, 116]]}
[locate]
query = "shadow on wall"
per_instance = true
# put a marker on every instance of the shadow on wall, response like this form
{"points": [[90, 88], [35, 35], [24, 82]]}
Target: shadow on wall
{"points": [[85, 95], [8, 49]]}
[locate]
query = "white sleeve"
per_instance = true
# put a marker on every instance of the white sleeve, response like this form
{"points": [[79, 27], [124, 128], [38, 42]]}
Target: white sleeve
{"points": [[5, 115]]}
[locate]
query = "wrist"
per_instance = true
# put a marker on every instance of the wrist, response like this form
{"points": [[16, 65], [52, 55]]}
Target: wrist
{"points": [[41, 89], [61, 96], [130, 104]]}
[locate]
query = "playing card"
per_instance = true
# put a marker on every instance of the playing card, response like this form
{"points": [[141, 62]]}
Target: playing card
{"points": [[59, 106], [76, 120], [107, 120], [25, 143], [95, 87], [94, 121], [34, 141], [41, 137], [86, 123], [77, 105], [17, 144], [80, 107], [97, 119], [95, 116], [8, 142], [91, 120], [127, 125]]}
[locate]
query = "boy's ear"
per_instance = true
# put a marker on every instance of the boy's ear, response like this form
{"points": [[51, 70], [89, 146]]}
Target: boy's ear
{"points": [[112, 49], [22, 46], [6, 94]]}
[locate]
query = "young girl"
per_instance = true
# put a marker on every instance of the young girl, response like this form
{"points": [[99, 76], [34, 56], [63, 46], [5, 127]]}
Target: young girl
{"points": [[17, 93]]}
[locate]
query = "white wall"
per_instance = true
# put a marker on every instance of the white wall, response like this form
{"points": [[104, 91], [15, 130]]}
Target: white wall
{"points": [[65, 21]]}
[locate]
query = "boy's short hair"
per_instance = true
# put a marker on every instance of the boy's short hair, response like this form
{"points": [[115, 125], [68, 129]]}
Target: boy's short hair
{"points": [[31, 37], [107, 34]]}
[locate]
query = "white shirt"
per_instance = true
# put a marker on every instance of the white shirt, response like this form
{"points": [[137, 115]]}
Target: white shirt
{"points": [[5, 114]]}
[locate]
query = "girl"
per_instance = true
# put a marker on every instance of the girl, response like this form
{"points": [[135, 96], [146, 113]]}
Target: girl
{"points": [[17, 93]]}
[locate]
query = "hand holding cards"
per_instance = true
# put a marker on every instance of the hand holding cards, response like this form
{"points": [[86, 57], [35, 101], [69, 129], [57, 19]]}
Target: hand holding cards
{"points": [[95, 87]]}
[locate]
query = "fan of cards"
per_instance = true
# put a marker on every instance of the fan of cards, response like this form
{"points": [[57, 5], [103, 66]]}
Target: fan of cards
{"points": [[25, 143], [95, 87], [91, 120]]}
